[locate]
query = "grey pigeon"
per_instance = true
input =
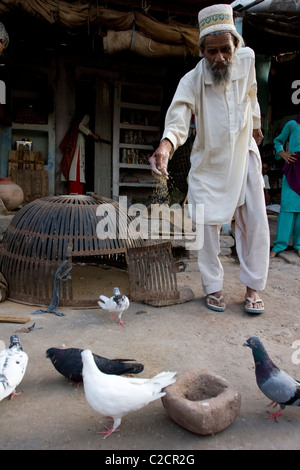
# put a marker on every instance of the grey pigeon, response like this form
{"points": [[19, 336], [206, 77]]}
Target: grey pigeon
{"points": [[115, 396], [118, 303], [277, 385], [13, 363], [68, 362]]}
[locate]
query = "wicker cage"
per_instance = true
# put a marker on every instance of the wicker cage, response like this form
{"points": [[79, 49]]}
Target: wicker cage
{"points": [[46, 232]]}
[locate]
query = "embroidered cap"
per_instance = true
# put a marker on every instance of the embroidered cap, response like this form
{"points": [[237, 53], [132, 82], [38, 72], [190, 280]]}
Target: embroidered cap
{"points": [[216, 18]]}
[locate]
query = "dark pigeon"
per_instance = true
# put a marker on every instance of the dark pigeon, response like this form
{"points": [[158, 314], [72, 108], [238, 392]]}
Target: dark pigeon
{"points": [[68, 362], [277, 385]]}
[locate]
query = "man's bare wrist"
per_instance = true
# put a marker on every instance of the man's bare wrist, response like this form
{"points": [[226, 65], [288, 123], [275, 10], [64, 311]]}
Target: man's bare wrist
{"points": [[170, 147]]}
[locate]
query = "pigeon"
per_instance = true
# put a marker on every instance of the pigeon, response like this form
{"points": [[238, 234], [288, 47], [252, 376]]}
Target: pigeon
{"points": [[276, 384], [118, 303], [115, 396], [68, 362], [13, 363]]}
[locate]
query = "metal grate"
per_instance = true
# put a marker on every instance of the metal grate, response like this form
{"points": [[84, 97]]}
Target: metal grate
{"points": [[50, 230], [152, 273]]}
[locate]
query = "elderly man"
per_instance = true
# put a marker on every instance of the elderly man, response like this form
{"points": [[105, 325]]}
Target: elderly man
{"points": [[225, 175]]}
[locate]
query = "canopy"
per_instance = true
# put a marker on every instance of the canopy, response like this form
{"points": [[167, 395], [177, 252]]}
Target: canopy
{"points": [[145, 35]]}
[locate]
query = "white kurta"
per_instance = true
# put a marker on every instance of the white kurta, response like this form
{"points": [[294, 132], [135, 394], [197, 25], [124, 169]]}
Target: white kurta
{"points": [[224, 125]]}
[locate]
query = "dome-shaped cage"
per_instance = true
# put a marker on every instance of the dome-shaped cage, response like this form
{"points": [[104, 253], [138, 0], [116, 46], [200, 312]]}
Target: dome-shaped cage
{"points": [[48, 231]]}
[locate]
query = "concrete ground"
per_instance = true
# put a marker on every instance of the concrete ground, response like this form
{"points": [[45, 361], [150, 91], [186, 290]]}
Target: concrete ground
{"points": [[52, 414]]}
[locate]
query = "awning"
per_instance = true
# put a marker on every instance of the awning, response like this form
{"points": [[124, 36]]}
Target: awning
{"points": [[128, 30], [144, 35]]}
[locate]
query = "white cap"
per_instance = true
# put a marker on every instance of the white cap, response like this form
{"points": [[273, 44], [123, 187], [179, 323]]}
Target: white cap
{"points": [[216, 18]]}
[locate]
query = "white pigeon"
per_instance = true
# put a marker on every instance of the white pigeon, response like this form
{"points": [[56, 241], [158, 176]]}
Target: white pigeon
{"points": [[115, 396], [118, 303], [13, 363]]}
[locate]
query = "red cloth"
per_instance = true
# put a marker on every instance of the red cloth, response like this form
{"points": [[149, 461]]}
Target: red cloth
{"points": [[75, 187], [68, 146]]}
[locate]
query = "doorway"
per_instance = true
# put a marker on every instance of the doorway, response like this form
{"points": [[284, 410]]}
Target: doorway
{"points": [[94, 98]]}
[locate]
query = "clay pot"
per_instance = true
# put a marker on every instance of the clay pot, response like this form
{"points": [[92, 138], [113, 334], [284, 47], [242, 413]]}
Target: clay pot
{"points": [[11, 194], [202, 402]]}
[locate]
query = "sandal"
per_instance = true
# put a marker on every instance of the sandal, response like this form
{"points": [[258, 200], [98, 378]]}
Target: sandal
{"points": [[253, 309], [216, 308]]}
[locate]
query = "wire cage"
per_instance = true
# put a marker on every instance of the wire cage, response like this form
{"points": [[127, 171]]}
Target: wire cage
{"points": [[48, 231], [152, 273]]}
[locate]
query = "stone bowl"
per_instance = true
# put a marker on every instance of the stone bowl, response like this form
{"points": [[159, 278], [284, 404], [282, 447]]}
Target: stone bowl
{"points": [[202, 402]]}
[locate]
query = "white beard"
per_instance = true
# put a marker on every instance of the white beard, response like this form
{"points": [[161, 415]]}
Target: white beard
{"points": [[220, 77]]}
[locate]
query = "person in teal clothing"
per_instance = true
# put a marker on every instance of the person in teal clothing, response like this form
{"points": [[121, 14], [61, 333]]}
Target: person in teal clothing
{"points": [[289, 217]]}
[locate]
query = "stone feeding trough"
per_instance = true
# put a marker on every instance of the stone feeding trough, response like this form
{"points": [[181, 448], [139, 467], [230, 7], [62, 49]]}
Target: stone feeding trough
{"points": [[202, 402]]}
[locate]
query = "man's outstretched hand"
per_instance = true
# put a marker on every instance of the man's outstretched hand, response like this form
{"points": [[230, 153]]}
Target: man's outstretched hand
{"points": [[160, 158]]}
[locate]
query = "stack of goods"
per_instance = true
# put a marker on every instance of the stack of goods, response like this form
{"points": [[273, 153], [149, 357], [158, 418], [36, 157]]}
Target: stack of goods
{"points": [[25, 159], [26, 168]]}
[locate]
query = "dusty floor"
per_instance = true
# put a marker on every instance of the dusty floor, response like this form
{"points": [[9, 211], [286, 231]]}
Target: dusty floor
{"points": [[52, 414]]}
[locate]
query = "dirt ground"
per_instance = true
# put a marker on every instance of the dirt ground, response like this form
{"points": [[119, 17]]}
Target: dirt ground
{"points": [[52, 414]]}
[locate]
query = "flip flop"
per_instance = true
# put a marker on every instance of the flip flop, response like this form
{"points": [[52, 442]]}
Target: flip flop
{"points": [[253, 310], [215, 308]]}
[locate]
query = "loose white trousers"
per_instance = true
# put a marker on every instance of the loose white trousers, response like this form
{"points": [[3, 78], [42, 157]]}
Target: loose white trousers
{"points": [[252, 239]]}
